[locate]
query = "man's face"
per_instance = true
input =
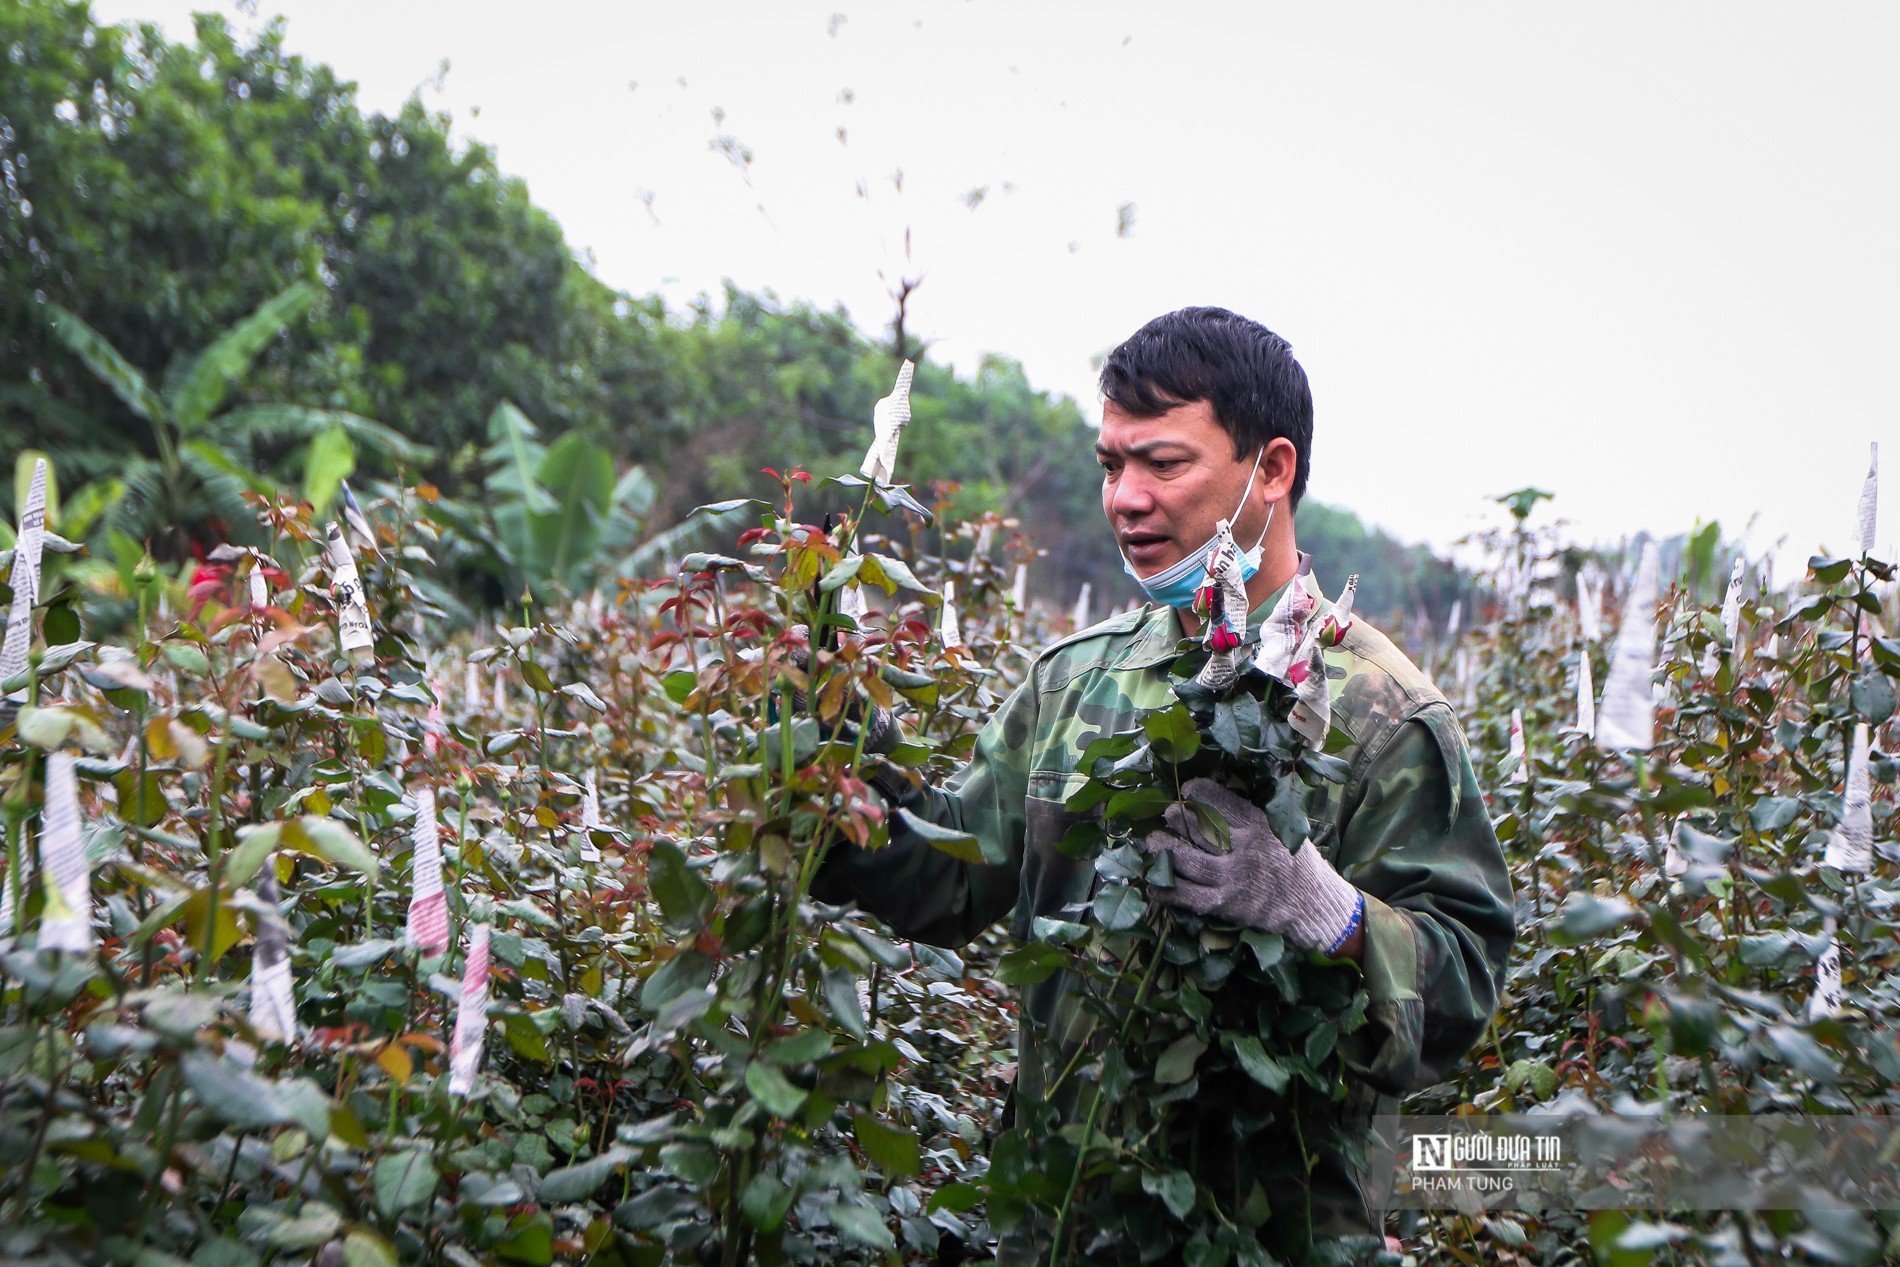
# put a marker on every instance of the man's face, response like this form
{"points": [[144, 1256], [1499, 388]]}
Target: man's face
{"points": [[1167, 481]]}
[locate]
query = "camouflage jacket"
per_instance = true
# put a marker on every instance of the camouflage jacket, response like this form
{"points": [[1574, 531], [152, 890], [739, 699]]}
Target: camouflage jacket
{"points": [[1409, 828]]}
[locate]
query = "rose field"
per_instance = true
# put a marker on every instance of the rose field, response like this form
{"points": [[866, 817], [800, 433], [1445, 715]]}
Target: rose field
{"points": [[500, 947], [458, 671]]}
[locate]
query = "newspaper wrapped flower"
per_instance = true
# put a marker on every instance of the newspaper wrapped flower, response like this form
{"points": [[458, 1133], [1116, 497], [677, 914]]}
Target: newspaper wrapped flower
{"points": [[1019, 588], [1520, 773], [1851, 847], [273, 1008], [1079, 617], [1829, 993], [851, 603], [948, 626], [1674, 864], [1732, 604], [1284, 630], [346, 589], [1221, 603], [985, 538], [357, 522], [428, 926], [66, 923], [1586, 693], [1290, 651], [1731, 619], [888, 420], [1333, 629], [1589, 610], [1868, 510], [1626, 718], [471, 1015], [25, 579], [590, 816]]}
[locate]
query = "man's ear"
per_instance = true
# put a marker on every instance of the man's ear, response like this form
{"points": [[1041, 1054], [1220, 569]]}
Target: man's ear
{"points": [[1278, 467]]}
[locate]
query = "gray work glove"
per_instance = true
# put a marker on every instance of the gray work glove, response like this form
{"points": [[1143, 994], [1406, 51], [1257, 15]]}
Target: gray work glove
{"points": [[1259, 884], [881, 732]]}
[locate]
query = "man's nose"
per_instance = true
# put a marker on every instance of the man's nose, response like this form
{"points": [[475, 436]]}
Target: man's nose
{"points": [[1133, 495]]}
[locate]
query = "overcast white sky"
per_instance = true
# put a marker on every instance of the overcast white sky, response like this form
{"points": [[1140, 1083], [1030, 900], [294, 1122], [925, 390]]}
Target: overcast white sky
{"points": [[1643, 256]]}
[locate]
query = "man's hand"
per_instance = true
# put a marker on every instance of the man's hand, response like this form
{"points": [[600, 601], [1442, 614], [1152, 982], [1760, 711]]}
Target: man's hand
{"points": [[1259, 884]]}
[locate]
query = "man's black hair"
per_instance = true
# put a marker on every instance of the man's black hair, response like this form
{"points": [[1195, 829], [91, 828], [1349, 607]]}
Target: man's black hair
{"points": [[1243, 370]]}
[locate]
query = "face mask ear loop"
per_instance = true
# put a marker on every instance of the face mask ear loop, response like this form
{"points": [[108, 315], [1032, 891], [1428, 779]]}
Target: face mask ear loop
{"points": [[1243, 501], [1271, 507]]}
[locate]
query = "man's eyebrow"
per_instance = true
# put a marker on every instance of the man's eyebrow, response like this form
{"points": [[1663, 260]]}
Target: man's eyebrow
{"points": [[1146, 448]]}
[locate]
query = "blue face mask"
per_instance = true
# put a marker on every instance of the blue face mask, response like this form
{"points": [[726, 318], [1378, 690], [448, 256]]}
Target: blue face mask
{"points": [[1175, 586]]}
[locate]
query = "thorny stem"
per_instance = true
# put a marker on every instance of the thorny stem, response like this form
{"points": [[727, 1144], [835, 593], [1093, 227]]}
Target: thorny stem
{"points": [[683, 616], [1095, 1104], [207, 952], [16, 814], [1681, 971], [148, 953], [53, 1084], [460, 865], [175, 1093]]}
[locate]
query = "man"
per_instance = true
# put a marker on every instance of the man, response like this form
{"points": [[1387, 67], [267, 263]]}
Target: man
{"points": [[1207, 418]]}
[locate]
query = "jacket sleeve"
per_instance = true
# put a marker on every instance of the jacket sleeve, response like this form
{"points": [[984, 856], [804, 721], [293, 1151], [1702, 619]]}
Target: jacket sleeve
{"points": [[1439, 919], [924, 893]]}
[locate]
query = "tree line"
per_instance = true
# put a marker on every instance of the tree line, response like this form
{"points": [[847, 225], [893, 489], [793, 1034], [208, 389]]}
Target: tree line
{"points": [[162, 191]]}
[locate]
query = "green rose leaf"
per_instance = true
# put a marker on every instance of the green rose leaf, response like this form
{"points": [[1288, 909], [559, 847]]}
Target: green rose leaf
{"points": [[1584, 916], [329, 840], [578, 1182], [774, 1091], [1259, 1066], [893, 1148], [402, 1180], [1172, 734], [1176, 1064], [1026, 965], [858, 1224], [684, 898], [1119, 907], [1174, 1187], [766, 1201]]}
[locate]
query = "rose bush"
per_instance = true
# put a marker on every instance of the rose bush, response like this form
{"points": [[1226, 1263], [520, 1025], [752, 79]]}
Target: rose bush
{"points": [[690, 1059]]}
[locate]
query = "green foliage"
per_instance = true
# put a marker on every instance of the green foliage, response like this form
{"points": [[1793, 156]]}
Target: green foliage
{"points": [[434, 288], [690, 1057], [196, 482], [552, 518], [1672, 907], [686, 1055]]}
